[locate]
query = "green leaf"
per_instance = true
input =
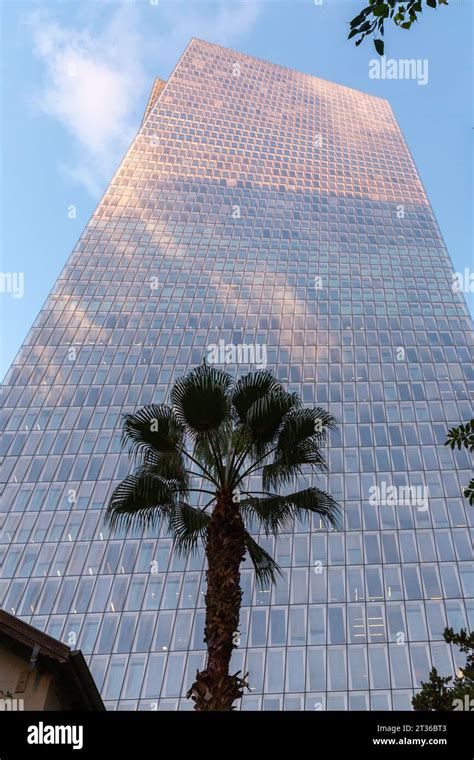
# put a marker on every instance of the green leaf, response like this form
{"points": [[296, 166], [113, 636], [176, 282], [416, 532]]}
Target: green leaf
{"points": [[360, 18], [381, 10], [431, 3], [463, 435], [469, 492], [379, 46]]}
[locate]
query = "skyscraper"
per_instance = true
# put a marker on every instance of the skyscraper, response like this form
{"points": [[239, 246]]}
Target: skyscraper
{"points": [[267, 210]]}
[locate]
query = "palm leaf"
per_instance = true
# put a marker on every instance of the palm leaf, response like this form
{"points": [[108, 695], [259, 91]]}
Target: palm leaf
{"points": [[153, 429], [299, 439], [141, 500], [208, 445], [201, 399], [304, 425], [273, 512], [266, 569], [250, 389], [266, 416], [188, 525], [170, 466], [282, 472]]}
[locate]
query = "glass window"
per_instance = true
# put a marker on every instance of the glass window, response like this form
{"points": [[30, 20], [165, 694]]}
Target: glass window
{"points": [[297, 629], [400, 667], [379, 670], [174, 675], [316, 669], [299, 586], [390, 547], [154, 676], [115, 676], [89, 634], [450, 579], [358, 671], [163, 630], [431, 584], [126, 632], [107, 633], [336, 591], [336, 658], [134, 679], [254, 665], [295, 670], [337, 634], [412, 582]]}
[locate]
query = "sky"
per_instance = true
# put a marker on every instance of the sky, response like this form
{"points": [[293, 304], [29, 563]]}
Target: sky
{"points": [[76, 76]]}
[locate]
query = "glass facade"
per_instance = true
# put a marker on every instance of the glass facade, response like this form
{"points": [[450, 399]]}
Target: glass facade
{"points": [[265, 207]]}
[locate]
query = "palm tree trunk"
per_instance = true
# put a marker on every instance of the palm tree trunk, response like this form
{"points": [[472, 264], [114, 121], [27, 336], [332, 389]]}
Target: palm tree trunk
{"points": [[214, 688]]}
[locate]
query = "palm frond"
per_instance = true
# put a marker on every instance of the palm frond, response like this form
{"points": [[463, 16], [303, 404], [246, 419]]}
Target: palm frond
{"points": [[201, 399], [273, 512], [170, 466], [188, 525], [299, 440], [282, 472], [152, 430], [301, 425], [266, 569], [250, 389], [203, 453], [141, 500], [210, 449], [266, 416]]}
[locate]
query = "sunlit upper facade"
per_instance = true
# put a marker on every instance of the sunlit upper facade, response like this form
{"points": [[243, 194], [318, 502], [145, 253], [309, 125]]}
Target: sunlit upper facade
{"points": [[257, 206]]}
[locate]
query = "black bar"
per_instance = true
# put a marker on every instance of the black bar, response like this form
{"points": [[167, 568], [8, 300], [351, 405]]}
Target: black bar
{"points": [[134, 734]]}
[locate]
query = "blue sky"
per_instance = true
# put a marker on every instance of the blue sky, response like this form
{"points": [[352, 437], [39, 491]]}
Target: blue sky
{"points": [[76, 78]]}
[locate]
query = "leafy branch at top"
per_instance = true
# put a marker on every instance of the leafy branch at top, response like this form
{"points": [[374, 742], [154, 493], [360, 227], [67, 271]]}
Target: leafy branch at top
{"points": [[460, 436], [371, 20]]}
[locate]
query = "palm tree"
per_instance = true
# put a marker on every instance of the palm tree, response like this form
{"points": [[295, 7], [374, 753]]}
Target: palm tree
{"points": [[217, 434]]}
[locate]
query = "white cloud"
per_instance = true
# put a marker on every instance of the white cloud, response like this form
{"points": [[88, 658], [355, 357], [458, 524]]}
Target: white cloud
{"points": [[93, 82], [97, 75]]}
